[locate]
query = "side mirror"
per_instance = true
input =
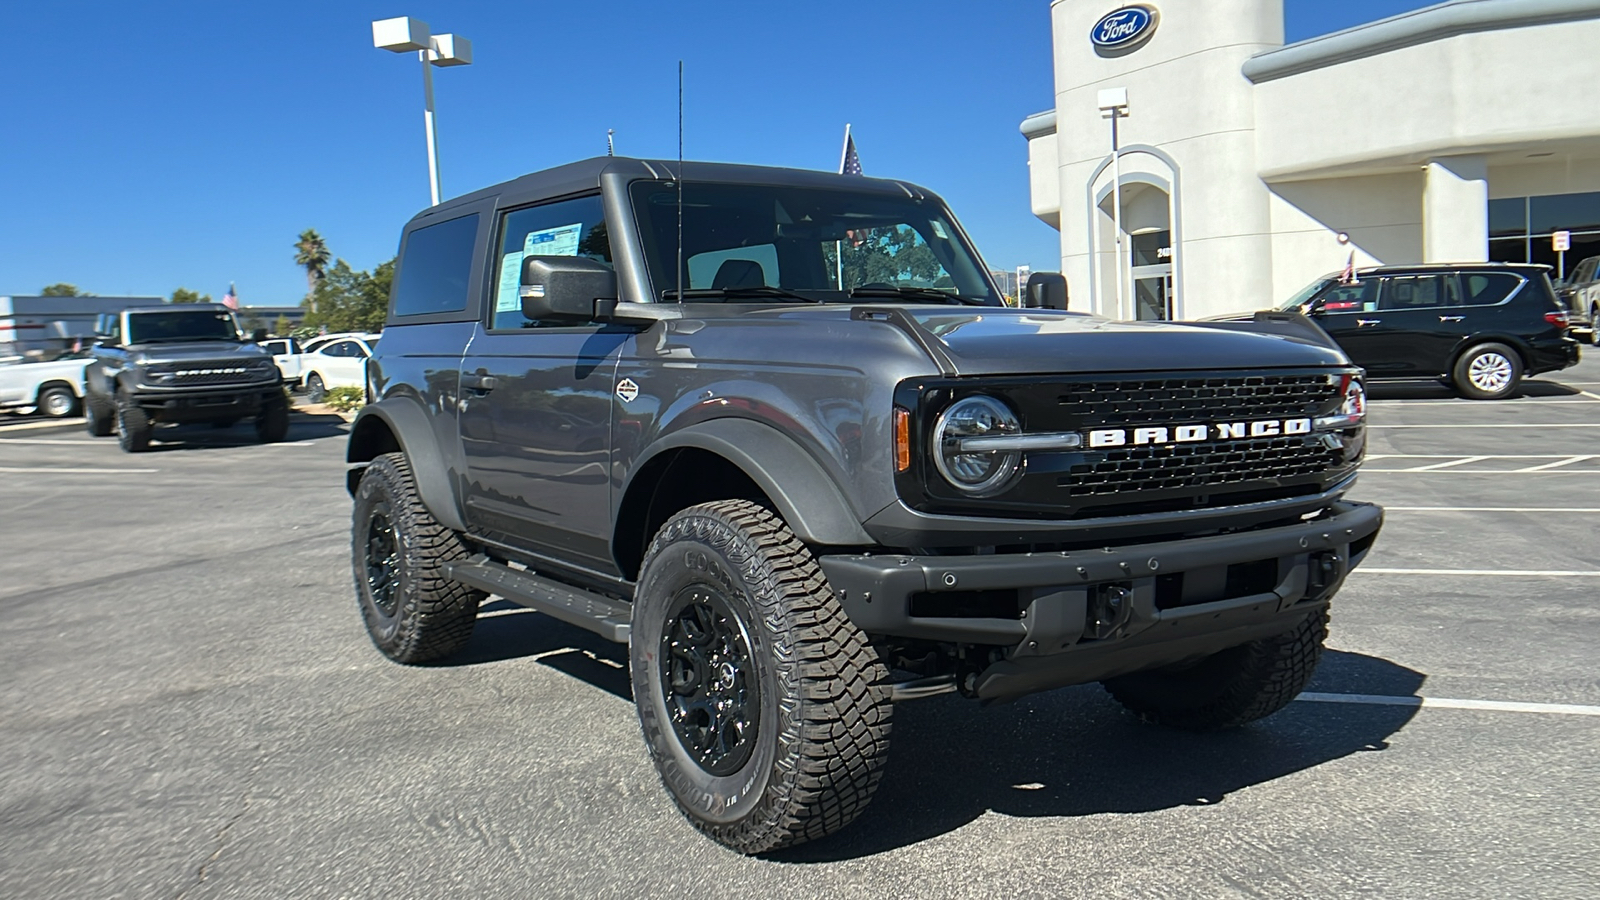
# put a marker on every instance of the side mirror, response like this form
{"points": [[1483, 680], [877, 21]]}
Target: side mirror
{"points": [[1045, 290], [566, 287]]}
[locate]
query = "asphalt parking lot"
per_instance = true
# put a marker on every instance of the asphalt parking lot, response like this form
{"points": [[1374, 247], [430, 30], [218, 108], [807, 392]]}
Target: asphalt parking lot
{"points": [[190, 708]]}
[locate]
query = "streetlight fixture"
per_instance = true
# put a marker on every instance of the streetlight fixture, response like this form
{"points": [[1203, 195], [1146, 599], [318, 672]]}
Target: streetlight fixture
{"points": [[1113, 106], [405, 34]]}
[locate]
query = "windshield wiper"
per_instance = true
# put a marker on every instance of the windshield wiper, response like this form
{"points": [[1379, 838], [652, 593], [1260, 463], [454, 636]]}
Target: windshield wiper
{"points": [[753, 291], [915, 293]]}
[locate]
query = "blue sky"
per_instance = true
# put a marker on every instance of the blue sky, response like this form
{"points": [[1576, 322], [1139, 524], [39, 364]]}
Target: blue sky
{"points": [[155, 145]]}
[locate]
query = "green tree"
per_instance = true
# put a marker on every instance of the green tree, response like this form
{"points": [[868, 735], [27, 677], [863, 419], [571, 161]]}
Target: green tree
{"points": [[892, 255], [347, 299], [184, 295], [311, 254], [280, 326], [62, 289]]}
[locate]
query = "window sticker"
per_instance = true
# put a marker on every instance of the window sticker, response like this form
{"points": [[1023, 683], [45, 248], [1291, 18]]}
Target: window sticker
{"points": [[938, 230], [562, 241], [510, 298]]}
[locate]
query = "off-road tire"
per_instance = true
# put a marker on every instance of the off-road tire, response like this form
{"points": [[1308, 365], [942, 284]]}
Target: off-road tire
{"points": [[428, 616], [272, 424], [315, 389], [57, 401], [1462, 375], [1231, 688], [133, 428], [823, 694], [100, 416]]}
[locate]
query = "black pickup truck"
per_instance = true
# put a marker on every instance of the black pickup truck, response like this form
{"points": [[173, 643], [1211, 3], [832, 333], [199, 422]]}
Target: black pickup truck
{"points": [[777, 431]]}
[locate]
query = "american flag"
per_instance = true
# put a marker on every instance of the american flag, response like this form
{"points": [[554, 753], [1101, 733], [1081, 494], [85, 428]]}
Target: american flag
{"points": [[1348, 276], [852, 162], [231, 298]]}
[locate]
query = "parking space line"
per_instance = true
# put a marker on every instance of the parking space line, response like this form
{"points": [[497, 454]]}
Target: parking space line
{"points": [[77, 442], [1548, 709], [1501, 573], [1445, 465], [1515, 509], [1499, 425], [65, 470], [1478, 472], [1590, 394], [1557, 401], [1555, 465]]}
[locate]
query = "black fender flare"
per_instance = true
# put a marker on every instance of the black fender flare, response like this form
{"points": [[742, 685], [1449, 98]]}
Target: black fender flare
{"points": [[412, 430], [805, 495]]}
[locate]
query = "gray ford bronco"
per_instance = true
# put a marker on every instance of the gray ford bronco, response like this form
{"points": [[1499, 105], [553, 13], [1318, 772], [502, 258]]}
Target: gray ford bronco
{"points": [[179, 364], [777, 432]]}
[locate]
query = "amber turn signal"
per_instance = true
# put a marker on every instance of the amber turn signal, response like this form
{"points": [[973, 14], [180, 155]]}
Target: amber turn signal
{"points": [[902, 439]]}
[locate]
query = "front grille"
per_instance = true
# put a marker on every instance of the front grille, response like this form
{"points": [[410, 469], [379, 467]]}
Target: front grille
{"points": [[1183, 400], [215, 376], [1212, 466]]}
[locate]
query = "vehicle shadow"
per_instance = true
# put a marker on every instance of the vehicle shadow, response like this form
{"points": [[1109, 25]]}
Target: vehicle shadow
{"points": [[506, 631], [1432, 389], [1073, 753], [302, 427]]}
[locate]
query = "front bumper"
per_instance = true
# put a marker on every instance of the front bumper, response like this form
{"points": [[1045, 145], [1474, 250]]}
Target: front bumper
{"points": [[189, 404], [1085, 615]]}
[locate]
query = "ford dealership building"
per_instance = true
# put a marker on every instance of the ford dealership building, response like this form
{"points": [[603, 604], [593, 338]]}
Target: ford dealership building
{"points": [[1461, 132]]}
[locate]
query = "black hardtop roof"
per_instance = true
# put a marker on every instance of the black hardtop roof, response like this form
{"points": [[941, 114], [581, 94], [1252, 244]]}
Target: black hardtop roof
{"points": [[584, 175], [1427, 268]]}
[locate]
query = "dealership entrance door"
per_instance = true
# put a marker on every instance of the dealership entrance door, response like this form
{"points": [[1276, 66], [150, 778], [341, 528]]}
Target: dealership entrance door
{"points": [[1152, 275]]}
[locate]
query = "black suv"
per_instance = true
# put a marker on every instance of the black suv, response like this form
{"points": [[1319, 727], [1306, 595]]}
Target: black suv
{"points": [[776, 431], [1482, 327]]}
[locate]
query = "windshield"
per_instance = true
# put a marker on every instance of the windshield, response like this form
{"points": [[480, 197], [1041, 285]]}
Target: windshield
{"points": [[1306, 293], [764, 241], [181, 325]]}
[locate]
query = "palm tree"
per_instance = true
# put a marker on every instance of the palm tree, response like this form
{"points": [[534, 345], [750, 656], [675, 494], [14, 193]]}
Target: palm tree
{"points": [[311, 253]]}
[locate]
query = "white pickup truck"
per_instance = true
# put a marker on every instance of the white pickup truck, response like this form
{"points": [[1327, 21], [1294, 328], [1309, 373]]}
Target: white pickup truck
{"points": [[286, 353], [53, 388]]}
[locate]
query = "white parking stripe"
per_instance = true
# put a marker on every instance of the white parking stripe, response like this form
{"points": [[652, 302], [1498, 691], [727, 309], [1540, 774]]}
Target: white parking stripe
{"points": [[1480, 472], [1457, 455], [1556, 465], [1524, 402], [1502, 573], [1549, 709], [1590, 394], [78, 442], [1445, 465], [1499, 425], [1515, 509], [37, 470]]}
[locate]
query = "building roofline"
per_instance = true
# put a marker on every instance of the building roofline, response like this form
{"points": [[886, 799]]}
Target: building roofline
{"points": [[1432, 23], [1040, 124]]}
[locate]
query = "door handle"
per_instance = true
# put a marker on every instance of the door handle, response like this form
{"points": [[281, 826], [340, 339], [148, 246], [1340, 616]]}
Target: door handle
{"points": [[1451, 318], [483, 384], [1362, 323]]}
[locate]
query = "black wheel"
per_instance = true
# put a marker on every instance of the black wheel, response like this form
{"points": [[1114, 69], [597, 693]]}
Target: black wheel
{"points": [[315, 389], [765, 710], [1228, 689], [413, 613], [1487, 372], [272, 425], [100, 416], [133, 428], [57, 401]]}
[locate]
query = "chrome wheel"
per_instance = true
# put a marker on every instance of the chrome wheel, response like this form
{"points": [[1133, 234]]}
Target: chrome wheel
{"points": [[57, 402], [1490, 372], [383, 561], [708, 681]]}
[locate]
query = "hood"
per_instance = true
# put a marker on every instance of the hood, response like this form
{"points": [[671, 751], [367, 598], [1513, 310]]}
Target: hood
{"points": [[996, 341], [197, 350]]}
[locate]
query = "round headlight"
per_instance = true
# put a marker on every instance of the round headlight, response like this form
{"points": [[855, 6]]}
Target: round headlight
{"points": [[964, 463]]}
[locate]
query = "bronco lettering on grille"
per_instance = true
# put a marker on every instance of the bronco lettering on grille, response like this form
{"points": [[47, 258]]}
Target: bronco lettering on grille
{"points": [[1193, 434]]}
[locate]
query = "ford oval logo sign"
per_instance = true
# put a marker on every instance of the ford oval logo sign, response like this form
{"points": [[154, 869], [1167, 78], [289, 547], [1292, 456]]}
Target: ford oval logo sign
{"points": [[1123, 29]]}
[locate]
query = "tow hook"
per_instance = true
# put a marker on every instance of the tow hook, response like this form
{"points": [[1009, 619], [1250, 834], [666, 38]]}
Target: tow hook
{"points": [[1325, 571]]}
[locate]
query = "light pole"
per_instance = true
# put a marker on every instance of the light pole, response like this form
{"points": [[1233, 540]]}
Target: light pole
{"points": [[404, 34], [1113, 106]]}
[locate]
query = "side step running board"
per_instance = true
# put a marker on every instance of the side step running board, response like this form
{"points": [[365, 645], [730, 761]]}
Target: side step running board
{"points": [[597, 613]]}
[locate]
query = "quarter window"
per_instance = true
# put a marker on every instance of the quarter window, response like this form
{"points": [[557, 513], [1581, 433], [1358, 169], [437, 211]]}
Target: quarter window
{"points": [[1487, 288], [435, 268], [566, 228]]}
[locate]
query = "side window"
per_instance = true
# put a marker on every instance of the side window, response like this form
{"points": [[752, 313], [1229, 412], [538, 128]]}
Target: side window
{"points": [[339, 349], [1488, 288], [1403, 292], [435, 268], [1361, 296], [564, 228]]}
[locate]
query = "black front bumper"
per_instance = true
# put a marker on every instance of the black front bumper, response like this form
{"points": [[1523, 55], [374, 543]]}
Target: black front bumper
{"points": [[190, 405], [1086, 615]]}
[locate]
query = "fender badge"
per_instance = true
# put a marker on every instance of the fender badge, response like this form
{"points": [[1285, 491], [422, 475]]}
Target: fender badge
{"points": [[627, 390]]}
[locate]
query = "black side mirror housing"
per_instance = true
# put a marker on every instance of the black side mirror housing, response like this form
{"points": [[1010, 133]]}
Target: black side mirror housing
{"points": [[1045, 290], [567, 287]]}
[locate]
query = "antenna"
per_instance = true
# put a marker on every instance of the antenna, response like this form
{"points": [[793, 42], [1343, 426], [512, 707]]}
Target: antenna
{"points": [[611, 146], [680, 181]]}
